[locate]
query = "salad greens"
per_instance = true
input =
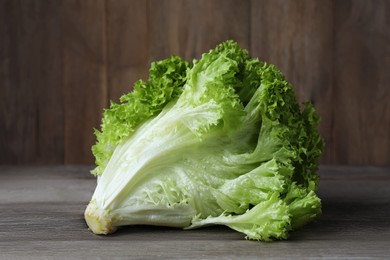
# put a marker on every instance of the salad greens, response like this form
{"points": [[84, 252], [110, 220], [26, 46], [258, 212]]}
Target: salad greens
{"points": [[217, 141]]}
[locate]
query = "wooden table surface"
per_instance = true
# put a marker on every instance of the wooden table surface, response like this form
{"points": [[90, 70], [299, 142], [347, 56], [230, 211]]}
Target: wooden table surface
{"points": [[41, 217]]}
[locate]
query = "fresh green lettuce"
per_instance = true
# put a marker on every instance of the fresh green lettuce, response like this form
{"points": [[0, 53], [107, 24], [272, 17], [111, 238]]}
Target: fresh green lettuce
{"points": [[219, 141]]}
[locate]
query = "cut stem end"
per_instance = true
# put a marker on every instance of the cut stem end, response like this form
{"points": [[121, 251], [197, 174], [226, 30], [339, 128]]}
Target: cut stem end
{"points": [[98, 220]]}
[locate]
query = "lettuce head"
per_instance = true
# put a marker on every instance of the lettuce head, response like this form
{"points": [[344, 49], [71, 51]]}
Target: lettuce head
{"points": [[216, 141]]}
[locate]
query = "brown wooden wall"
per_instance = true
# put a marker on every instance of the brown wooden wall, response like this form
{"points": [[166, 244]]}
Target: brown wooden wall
{"points": [[62, 60]]}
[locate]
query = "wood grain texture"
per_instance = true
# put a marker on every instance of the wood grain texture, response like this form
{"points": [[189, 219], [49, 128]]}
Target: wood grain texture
{"points": [[297, 37], [361, 84], [127, 45], [61, 62], [190, 28], [41, 216], [31, 111], [85, 75]]}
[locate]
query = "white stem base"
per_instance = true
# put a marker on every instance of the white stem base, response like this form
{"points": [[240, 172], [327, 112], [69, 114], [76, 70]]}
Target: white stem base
{"points": [[98, 220]]}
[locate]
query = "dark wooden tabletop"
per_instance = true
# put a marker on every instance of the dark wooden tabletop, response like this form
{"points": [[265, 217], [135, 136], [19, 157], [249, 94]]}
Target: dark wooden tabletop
{"points": [[41, 217]]}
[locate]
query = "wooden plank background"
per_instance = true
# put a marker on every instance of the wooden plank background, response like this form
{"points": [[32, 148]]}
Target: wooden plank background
{"points": [[61, 61]]}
